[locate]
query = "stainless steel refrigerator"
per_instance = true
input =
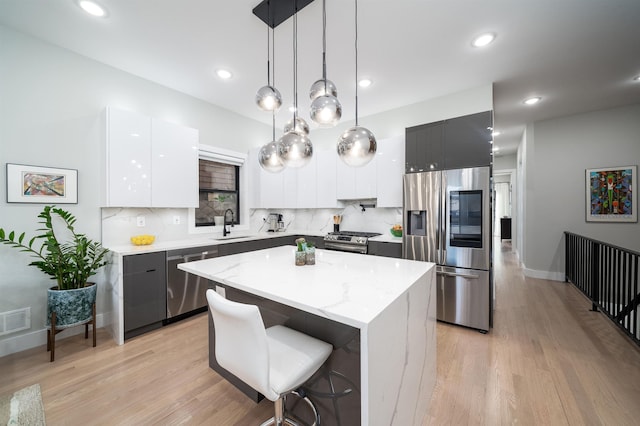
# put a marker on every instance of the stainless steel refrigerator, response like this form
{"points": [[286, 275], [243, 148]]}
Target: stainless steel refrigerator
{"points": [[447, 221]]}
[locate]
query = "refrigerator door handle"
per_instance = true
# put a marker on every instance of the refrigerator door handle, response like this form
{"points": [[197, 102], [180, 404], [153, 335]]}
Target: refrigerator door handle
{"points": [[454, 274]]}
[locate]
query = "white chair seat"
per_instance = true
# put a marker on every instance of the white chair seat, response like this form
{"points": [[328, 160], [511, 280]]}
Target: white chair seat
{"points": [[294, 358], [275, 361]]}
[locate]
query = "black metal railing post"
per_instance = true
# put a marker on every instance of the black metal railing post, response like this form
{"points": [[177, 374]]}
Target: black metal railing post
{"points": [[595, 274], [608, 275]]}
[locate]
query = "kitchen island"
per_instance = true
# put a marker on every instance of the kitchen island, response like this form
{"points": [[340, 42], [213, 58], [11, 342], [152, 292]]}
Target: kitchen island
{"points": [[389, 304]]}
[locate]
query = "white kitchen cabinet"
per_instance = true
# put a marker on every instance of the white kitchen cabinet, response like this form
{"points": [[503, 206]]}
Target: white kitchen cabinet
{"points": [[174, 165], [389, 171], [354, 183], [267, 188], [326, 196], [149, 162], [306, 189], [292, 188], [289, 188], [127, 159]]}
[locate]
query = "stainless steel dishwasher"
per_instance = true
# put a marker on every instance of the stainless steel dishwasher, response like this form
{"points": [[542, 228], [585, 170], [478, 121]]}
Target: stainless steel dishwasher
{"points": [[186, 293]]}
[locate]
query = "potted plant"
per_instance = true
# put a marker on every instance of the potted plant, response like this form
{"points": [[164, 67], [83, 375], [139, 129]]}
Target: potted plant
{"points": [[70, 259]]}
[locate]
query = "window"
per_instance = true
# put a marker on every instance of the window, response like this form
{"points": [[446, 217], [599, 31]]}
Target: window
{"points": [[219, 192]]}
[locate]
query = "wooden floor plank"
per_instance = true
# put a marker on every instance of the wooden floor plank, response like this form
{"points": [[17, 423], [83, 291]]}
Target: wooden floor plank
{"points": [[548, 360]]}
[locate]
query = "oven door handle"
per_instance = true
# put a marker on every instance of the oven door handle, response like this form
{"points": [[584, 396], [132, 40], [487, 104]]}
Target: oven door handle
{"points": [[345, 247]]}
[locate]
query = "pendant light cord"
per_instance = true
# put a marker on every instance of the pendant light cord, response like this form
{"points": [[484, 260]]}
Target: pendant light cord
{"points": [[324, 44], [268, 44], [273, 56], [295, 65], [356, 43]]}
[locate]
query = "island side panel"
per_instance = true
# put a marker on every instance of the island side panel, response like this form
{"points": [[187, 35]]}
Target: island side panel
{"points": [[399, 357]]}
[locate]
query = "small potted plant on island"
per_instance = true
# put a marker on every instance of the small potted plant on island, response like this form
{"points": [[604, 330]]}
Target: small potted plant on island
{"points": [[70, 259]]}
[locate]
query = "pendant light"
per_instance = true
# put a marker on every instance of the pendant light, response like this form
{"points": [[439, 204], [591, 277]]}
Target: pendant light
{"points": [[357, 146], [268, 98], [268, 156], [326, 110], [295, 148]]}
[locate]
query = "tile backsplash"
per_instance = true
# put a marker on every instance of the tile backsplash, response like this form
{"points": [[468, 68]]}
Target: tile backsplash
{"points": [[119, 224]]}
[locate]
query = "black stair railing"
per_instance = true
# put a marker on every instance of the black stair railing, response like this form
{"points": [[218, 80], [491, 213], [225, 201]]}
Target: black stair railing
{"points": [[608, 275]]}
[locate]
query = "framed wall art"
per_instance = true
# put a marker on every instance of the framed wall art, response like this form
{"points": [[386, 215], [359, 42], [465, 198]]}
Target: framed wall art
{"points": [[610, 196], [35, 184]]}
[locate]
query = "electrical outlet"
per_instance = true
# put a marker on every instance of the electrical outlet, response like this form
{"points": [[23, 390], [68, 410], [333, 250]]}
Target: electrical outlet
{"points": [[140, 221], [176, 220]]}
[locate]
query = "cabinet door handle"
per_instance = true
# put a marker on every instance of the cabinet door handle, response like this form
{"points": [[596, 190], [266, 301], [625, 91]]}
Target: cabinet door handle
{"points": [[151, 270]]}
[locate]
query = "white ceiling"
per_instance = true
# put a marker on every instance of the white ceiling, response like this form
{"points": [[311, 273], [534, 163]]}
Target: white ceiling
{"points": [[579, 55]]}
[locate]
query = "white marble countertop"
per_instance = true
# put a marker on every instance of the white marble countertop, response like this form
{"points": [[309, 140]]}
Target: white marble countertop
{"points": [[206, 240], [346, 287]]}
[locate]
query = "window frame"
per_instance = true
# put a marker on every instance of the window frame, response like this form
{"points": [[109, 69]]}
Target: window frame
{"points": [[221, 155]]}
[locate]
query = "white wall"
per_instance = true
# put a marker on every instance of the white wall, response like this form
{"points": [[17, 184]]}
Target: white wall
{"points": [[51, 103], [555, 155]]}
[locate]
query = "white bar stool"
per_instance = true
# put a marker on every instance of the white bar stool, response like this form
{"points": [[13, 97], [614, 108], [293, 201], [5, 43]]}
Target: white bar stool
{"points": [[274, 361]]}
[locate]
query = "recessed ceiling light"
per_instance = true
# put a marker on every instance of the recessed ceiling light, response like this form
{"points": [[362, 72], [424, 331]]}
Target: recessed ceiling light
{"points": [[532, 101], [496, 133], [365, 82], [483, 40], [92, 8], [224, 74], [636, 78]]}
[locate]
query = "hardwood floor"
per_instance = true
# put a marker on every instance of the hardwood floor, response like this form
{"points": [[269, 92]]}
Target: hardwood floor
{"points": [[548, 360]]}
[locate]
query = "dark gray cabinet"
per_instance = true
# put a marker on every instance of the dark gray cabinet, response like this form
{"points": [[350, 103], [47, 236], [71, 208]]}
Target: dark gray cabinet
{"points": [[450, 144], [379, 248], [245, 246], [466, 141], [144, 292], [424, 147]]}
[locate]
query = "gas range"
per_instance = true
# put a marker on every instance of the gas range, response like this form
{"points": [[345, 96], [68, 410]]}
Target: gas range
{"points": [[351, 241]]}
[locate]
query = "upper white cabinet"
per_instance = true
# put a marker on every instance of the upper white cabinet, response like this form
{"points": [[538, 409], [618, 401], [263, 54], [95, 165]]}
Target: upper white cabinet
{"points": [[355, 183], [267, 189], [326, 196], [174, 165], [148, 162], [390, 168], [128, 159], [326, 180]]}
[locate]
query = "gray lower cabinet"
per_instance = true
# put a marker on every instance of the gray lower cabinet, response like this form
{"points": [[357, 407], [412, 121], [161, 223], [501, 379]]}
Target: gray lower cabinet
{"points": [[144, 292], [378, 248]]}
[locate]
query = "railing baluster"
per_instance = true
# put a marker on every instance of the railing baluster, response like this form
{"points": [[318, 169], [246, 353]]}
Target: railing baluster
{"points": [[608, 275]]}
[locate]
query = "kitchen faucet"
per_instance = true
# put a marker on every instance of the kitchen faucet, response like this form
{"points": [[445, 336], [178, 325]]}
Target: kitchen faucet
{"points": [[224, 226]]}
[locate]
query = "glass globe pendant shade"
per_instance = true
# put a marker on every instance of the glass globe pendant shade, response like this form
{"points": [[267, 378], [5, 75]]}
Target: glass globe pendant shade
{"points": [[326, 110], [269, 159], [319, 88], [357, 146], [268, 98], [297, 125], [295, 149]]}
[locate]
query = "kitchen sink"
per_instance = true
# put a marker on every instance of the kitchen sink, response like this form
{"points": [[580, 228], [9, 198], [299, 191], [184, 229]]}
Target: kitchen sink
{"points": [[232, 237]]}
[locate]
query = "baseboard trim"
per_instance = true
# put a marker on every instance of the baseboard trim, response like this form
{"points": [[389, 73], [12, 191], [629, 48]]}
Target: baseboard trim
{"points": [[36, 338], [543, 275]]}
